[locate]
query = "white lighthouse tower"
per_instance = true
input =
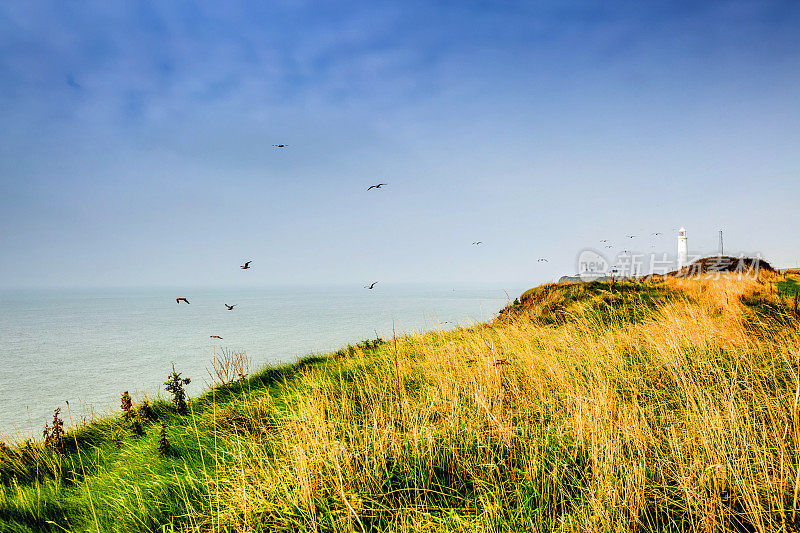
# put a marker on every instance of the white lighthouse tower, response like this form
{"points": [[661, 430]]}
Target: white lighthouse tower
{"points": [[683, 249]]}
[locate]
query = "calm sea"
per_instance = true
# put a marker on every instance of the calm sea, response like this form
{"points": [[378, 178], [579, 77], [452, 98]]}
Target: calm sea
{"points": [[87, 346]]}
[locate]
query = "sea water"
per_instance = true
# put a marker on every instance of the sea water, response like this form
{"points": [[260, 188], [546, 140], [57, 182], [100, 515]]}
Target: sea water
{"points": [[86, 346]]}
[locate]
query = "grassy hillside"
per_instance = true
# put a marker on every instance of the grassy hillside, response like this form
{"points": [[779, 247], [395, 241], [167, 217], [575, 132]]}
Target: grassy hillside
{"points": [[638, 406]]}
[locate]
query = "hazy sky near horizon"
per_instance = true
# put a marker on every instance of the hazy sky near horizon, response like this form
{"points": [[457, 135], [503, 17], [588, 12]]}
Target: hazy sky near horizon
{"points": [[136, 140]]}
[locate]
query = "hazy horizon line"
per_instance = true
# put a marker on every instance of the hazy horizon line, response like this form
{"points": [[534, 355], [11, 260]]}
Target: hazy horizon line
{"points": [[262, 285]]}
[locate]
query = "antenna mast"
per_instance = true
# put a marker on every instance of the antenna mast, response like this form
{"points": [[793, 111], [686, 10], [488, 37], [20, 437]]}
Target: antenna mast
{"points": [[721, 247]]}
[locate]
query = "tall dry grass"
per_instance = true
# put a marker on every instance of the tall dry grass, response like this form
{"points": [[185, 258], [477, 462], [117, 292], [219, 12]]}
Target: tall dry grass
{"points": [[228, 365], [684, 418]]}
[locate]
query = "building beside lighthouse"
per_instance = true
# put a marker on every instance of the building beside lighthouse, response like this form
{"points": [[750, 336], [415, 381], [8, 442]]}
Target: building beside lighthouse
{"points": [[683, 249]]}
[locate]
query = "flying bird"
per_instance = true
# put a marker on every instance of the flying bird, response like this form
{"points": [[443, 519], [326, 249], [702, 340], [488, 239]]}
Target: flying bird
{"points": [[630, 236], [371, 286], [604, 240], [246, 265], [542, 260], [378, 186], [216, 337], [280, 145], [477, 242], [230, 307], [609, 246], [179, 300], [657, 233]]}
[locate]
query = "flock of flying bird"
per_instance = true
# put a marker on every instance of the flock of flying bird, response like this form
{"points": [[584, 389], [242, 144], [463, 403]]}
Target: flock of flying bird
{"points": [[378, 186], [654, 234], [371, 286], [245, 266]]}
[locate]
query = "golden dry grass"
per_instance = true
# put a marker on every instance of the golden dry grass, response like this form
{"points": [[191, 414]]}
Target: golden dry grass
{"points": [[685, 418]]}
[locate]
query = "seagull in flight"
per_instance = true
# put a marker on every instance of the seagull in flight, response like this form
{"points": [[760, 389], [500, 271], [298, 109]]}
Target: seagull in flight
{"points": [[280, 145], [630, 236], [609, 246], [542, 260], [604, 240], [179, 300], [657, 233], [378, 186], [371, 285], [477, 243], [230, 307], [246, 265], [216, 337]]}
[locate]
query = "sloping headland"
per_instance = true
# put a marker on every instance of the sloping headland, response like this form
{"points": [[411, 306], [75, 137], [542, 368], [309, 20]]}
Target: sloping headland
{"points": [[660, 405]]}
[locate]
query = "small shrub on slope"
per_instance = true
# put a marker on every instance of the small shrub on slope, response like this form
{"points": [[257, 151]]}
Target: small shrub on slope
{"points": [[174, 385]]}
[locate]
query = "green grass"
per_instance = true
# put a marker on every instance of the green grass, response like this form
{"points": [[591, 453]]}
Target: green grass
{"points": [[108, 479], [605, 303], [789, 287]]}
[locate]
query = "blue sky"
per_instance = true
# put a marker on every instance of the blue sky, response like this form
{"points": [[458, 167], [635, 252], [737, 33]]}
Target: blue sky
{"points": [[136, 147]]}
